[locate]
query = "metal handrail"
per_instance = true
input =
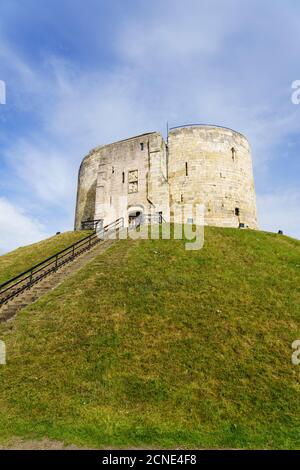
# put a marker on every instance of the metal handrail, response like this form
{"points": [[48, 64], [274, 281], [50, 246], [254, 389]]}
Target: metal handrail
{"points": [[91, 224], [31, 276], [157, 217]]}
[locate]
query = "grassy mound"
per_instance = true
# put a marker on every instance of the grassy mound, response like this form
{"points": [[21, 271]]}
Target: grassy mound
{"points": [[21, 259], [153, 345]]}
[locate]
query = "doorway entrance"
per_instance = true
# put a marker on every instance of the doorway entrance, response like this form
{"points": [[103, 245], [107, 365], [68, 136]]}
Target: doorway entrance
{"points": [[134, 219]]}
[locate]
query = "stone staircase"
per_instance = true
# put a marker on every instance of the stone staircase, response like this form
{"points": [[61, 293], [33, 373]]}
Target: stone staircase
{"points": [[33, 293]]}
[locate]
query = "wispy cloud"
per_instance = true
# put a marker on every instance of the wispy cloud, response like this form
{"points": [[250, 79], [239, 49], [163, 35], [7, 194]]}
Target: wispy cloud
{"points": [[42, 170], [18, 228]]}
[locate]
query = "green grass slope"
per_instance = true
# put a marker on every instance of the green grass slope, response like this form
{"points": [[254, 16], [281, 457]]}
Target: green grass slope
{"points": [[21, 259], [152, 345]]}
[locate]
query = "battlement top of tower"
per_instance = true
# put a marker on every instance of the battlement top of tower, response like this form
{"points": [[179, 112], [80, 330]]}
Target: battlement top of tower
{"points": [[206, 126], [117, 142], [138, 136]]}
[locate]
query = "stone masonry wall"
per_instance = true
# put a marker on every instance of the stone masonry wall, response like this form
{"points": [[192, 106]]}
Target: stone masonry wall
{"points": [[213, 166], [104, 187]]}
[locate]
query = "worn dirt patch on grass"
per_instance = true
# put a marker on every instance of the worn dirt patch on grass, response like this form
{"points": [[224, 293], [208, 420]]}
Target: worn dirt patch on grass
{"points": [[44, 444]]}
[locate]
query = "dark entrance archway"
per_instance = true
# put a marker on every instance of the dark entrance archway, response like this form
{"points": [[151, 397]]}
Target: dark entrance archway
{"points": [[135, 218]]}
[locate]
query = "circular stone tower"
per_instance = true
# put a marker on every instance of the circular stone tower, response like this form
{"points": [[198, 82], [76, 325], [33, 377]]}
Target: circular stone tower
{"points": [[212, 165]]}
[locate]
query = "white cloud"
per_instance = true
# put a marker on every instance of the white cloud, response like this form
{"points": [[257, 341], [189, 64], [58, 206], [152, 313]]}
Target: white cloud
{"points": [[43, 171], [178, 31], [17, 228]]}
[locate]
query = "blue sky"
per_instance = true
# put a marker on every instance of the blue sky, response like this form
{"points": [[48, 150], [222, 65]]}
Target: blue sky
{"points": [[80, 73]]}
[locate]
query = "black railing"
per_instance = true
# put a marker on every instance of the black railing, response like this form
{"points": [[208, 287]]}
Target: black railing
{"points": [[27, 279], [156, 218], [146, 219], [91, 224]]}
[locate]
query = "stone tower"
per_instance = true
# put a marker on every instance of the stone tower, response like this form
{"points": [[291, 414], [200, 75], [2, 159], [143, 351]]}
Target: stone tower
{"points": [[199, 164]]}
